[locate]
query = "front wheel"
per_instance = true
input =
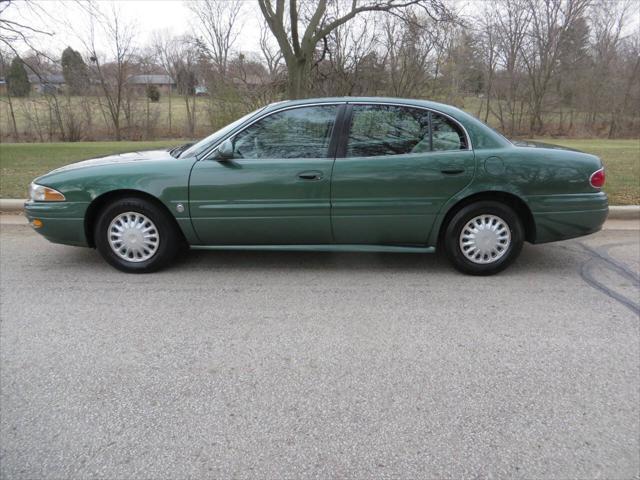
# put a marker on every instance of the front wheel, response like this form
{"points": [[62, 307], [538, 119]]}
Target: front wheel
{"points": [[483, 238], [136, 236]]}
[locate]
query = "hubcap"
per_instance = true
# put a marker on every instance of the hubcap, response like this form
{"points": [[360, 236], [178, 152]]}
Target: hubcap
{"points": [[133, 237], [485, 239]]}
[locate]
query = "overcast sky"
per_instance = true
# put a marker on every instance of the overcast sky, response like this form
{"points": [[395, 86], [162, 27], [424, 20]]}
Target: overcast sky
{"points": [[67, 20]]}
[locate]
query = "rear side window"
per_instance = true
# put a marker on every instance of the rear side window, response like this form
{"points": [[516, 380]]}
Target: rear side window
{"points": [[446, 135], [383, 130]]}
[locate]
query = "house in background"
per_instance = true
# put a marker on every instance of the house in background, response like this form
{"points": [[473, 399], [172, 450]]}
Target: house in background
{"points": [[139, 83], [3, 86], [47, 83]]}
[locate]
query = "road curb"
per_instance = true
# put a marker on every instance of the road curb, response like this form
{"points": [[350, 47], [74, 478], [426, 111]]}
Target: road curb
{"points": [[11, 205], [625, 212]]}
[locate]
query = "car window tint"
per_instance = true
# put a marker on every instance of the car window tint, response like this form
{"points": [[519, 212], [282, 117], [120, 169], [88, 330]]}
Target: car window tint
{"points": [[446, 135], [297, 133], [380, 130]]}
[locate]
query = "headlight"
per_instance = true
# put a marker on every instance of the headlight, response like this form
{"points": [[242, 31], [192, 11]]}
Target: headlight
{"points": [[39, 193]]}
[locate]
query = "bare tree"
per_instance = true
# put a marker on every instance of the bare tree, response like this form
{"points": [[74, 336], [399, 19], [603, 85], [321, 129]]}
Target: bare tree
{"points": [[220, 27], [414, 49], [4, 65], [272, 55], [299, 28], [113, 71], [352, 59], [623, 89], [607, 23], [511, 25], [489, 54], [253, 85], [178, 56], [551, 23], [15, 34], [534, 64]]}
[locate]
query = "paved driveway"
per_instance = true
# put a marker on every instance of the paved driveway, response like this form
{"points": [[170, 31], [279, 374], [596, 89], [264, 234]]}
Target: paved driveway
{"points": [[290, 365]]}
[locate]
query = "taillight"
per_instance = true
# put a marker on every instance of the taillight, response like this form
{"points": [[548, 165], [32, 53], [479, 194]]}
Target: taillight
{"points": [[597, 178]]}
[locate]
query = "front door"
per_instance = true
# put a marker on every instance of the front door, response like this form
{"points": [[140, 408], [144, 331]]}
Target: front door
{"points": [[275, 189], [397, 168]]}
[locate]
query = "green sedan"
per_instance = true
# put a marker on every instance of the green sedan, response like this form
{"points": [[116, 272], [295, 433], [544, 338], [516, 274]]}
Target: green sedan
{"points": [[330, 174]]}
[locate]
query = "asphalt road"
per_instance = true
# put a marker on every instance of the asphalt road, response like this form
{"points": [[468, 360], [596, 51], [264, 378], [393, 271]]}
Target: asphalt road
{"points": [[290, 365]]}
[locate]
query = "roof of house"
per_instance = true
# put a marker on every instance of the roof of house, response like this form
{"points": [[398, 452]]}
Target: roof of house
{"points": [[151, 80], [54, 78]]}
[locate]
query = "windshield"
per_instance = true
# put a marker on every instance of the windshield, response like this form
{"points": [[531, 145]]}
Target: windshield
{"points": [[205, 142]]}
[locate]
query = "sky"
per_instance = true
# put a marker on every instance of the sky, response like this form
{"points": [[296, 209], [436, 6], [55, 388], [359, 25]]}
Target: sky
{"points": [[66, 20]]}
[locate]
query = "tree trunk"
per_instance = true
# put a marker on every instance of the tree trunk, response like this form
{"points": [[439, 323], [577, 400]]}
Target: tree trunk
{"points": [[116, 127], [299, 78], [612, 126], [146, 133], [13, 116], [190, 105], [170, 134]]}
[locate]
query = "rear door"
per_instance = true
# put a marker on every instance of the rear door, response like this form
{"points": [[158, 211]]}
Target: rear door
{"points": [[396, 167], [276, 188]]}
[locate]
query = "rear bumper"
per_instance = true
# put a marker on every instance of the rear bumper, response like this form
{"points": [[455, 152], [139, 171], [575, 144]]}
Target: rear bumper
{"points": [[557, 218], [62, 222]]}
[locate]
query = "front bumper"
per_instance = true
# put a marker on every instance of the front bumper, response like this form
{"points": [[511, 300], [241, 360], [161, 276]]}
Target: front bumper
{"points": [[62, 222]]}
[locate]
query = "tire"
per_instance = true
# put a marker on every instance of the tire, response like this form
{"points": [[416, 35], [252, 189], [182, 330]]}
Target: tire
{"points": [[483, 238], [135, 236]]}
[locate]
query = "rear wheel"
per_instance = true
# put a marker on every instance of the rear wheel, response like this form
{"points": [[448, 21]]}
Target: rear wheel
{"points": [[136, 236], [483, 238]]}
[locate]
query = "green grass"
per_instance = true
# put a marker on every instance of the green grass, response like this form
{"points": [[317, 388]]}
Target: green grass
{"points": [[22, 162]]}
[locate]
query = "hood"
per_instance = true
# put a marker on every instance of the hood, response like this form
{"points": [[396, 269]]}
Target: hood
{"points": [[117, 159], [530, 144]]}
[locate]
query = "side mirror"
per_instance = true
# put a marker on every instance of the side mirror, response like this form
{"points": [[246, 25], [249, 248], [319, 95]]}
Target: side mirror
{"points": [[225, 150]]}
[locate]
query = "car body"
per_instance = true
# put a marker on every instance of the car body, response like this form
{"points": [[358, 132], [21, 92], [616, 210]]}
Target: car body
{"points": [[359, 174]]}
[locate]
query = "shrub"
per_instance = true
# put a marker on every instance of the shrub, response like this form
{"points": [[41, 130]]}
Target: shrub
{"points": [[75, 72], [17, 79], [153, 93]]}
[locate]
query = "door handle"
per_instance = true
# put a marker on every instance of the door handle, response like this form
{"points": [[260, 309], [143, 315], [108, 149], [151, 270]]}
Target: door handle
{"points": [[452, 171], [312, 175]]}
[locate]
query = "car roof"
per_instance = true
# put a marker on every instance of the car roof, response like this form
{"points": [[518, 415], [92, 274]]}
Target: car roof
{"points": [[405, 101]]}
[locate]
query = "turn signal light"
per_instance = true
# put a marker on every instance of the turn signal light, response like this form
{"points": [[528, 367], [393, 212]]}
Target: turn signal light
{"points": [[51, 195], [597, 178], [36, 223]]}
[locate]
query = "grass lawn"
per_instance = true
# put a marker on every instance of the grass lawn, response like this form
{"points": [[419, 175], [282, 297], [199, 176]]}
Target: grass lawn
{"points": [[22, 162]]}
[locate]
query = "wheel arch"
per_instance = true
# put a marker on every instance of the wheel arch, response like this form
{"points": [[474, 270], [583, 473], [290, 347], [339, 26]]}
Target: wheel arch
{"points": [[510, 199], [98, 203]]}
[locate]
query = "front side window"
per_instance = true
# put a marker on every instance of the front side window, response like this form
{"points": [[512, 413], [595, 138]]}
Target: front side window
{"points": [[203, 144], [382, 130], [297, 133]]}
